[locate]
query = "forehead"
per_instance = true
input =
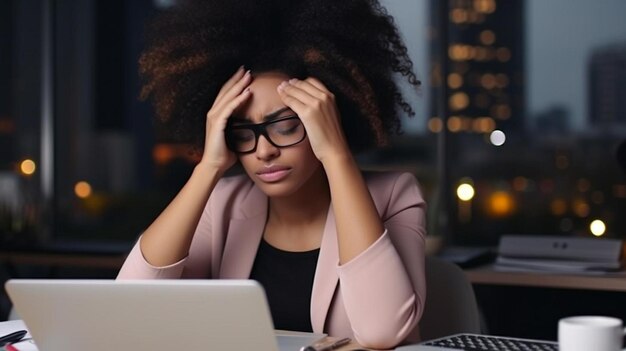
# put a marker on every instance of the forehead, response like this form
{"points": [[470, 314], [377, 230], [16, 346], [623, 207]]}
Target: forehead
{"points": [[264, 99]]}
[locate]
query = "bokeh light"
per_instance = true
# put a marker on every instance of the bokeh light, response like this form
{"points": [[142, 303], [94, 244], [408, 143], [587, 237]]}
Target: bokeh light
{"points": [[497, 137], [82, 189], [597, 227], [465, 192], [28, 167]]}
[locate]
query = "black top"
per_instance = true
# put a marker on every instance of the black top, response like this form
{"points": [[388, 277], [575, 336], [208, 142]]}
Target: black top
{"points": [[287, 278]]}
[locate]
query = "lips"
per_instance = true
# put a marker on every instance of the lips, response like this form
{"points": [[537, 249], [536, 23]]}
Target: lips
{"points": [[273, 173]]}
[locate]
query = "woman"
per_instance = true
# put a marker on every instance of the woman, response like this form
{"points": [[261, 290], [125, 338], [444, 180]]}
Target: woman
{"points": [[337, 250]]}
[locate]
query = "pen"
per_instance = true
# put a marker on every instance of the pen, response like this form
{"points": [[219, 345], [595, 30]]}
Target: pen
{"points": [[12, 337], [326, 345]]}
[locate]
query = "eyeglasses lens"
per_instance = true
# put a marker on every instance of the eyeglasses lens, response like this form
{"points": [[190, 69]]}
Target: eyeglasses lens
{"points": [[282, 133]]}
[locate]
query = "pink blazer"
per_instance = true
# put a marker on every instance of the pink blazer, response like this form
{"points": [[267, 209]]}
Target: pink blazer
{"points": [[377, 298]]}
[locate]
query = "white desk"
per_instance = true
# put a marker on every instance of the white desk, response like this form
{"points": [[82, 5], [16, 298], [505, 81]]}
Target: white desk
{"points": [[15, 325]]}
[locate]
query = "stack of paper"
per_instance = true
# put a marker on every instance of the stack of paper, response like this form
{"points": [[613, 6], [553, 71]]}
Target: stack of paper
{"points": [[559, 254]]}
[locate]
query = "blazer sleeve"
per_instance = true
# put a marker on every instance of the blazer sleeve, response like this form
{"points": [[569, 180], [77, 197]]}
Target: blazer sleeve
{"points": [[384, 288], [196, 265], [136, 267]]}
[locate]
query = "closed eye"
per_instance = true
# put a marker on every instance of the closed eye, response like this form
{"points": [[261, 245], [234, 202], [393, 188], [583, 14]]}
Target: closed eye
{"points": [[289, 131], [286, 127], [242, 136]]}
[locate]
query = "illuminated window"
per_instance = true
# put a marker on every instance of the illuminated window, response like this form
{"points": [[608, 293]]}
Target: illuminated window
{"points": [[487, 37], [455, 80], [459, 101]]}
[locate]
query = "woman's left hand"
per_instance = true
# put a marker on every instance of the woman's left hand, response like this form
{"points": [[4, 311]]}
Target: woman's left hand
{"points": [[316, 107]]}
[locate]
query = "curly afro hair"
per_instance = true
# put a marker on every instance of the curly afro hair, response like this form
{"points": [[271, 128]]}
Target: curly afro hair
{"points": [[352, 46]]}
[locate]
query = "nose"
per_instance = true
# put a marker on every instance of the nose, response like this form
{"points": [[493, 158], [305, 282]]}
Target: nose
{"points": [[265, 150]]}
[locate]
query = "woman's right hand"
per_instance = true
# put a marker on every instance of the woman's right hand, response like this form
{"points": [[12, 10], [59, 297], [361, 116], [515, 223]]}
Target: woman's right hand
{"points": [[232, 94]]}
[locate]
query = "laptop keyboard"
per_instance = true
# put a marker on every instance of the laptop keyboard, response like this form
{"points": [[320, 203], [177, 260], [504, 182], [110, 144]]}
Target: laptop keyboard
{"points": [[474, 342]]}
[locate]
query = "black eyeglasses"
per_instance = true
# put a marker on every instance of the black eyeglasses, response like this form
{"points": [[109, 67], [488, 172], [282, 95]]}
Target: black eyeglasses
{"points": [[283, 132]]}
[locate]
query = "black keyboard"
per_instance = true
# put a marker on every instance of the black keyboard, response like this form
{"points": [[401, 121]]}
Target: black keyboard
{"points": [[475, 342]]}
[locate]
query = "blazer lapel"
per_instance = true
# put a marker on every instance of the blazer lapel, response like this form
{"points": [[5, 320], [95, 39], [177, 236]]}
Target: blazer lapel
{"points": [[242, 242], [244, 235], [326, 278]]}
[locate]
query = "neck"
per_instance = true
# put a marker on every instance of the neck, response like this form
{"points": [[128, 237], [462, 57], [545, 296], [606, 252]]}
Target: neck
{"points": [[307, 205]]}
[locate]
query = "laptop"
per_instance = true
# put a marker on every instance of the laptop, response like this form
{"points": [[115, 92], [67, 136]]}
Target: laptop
{"points": [[104, 315]]}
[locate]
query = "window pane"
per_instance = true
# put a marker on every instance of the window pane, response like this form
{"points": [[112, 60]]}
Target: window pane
{"points": [[112, 168], [108, 187], [20, 111], [536, 114]]}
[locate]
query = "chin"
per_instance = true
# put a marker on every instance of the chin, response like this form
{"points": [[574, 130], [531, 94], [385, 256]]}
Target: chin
{"points": [[278, 189]]}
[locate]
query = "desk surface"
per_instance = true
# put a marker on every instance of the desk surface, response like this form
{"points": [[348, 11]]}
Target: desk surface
{"points": [[14, 325], [489, 276]]}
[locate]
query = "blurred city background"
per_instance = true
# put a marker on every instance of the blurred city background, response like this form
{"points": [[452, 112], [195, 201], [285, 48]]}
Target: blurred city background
{"points": [[534, 98], [519, 118]]}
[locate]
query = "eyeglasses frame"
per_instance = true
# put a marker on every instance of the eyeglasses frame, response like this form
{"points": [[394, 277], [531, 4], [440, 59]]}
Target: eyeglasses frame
{"points": [[258, 130]]}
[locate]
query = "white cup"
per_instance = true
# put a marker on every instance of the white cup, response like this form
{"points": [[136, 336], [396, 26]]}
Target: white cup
{"points": [[590, 333]]}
